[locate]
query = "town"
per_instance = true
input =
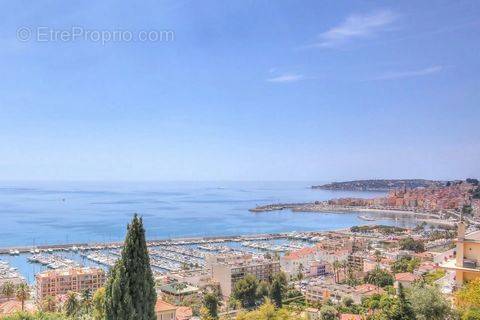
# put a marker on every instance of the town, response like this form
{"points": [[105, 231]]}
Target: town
{"points": [[438, 202], [343, 274]]}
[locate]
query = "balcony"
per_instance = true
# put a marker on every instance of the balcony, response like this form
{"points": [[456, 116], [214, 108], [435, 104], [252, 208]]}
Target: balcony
{"points": [[470, 263]]}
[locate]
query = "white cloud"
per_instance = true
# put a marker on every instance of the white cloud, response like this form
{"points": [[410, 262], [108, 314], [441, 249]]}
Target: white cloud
{"points": [[410, 73], [286, 78], [356, 26]]}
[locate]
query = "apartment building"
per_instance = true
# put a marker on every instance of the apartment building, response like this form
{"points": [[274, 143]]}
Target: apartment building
{"points": [[227, 274], [56, 282], [304, 259]]}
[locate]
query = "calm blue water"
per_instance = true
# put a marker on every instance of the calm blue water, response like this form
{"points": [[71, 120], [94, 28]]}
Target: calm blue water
{"points": [[49, 213]]}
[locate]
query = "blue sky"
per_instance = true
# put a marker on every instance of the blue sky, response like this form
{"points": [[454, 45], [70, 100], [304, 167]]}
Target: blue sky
{"points": [[247, 90]]}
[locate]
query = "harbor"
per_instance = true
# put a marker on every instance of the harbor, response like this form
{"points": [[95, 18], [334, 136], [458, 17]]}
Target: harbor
{"points": [[167, 255]]}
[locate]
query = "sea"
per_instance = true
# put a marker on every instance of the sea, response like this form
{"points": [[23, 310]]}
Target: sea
{"points": [[48, 213], [41, 213]]}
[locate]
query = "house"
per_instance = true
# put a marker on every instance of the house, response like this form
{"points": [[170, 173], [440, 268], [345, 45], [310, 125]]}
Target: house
{"points": [[426, 267], [312, 314], [176, 292], [165, 310], [406, 279]]}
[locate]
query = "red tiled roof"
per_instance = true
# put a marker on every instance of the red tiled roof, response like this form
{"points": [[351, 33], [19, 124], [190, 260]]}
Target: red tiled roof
{"points": [[300, 253], [406, 277], [349, 316], [12, 306], [184, 313], [163, 306], [368, 288]]}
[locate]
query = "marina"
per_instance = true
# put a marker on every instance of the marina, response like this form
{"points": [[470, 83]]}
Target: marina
{"points": [[166, 255]]}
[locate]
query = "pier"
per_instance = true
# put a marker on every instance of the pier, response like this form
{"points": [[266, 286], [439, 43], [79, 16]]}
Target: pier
{"points": [[151, 243]]}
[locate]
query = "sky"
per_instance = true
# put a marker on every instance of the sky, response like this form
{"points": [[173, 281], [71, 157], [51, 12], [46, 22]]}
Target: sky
{"points": [[239, 90]]}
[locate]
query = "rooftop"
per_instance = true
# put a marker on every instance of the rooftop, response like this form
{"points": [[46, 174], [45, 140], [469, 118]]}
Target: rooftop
{"points": [[178, 288], [69, 272], [162, 306], [406, 277]]}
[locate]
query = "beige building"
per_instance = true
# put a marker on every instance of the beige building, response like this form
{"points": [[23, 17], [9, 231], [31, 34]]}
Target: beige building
{"points": [[165, 311], [55, 282], [227, 273], [467, 256]]}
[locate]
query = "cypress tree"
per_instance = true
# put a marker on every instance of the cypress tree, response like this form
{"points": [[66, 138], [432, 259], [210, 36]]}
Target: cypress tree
{"points": [[130, 291]]}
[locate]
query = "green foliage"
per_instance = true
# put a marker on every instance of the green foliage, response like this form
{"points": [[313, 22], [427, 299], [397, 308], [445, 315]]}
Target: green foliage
{"points": [[405, 264], [263, 290], [72, 304], [8, 289], [468, 297], [429, 303], [98, 303], [467, 210], [377, 302], [210, 302], [476, 193], [386, 230], [412, 245], [86, 301], [328, 313], [379, 277], [278, 289], [130, 291], [347, 301], [393, 308], [433, 276], [245, 291], [471, 314], [267, 311], [22, 293], [472, 181], [49, 304]]}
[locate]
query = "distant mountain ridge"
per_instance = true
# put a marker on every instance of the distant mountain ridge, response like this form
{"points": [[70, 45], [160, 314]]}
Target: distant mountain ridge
{"points": [[380, 184]]}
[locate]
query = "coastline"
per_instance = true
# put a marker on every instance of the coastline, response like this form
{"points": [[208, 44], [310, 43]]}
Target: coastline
{"points": [[430, 218]]}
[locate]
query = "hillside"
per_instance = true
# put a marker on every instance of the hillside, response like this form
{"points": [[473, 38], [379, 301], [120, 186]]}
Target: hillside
{"points": [[379, 184]]}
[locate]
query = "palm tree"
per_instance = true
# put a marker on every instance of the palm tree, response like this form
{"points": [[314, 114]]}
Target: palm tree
{"points": [[71, 304], [350, 274], [87, 300], [336, 267], [300, 272], [378, 256], [22, 294], [49, 304], [344, 265], [8, 289]]}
